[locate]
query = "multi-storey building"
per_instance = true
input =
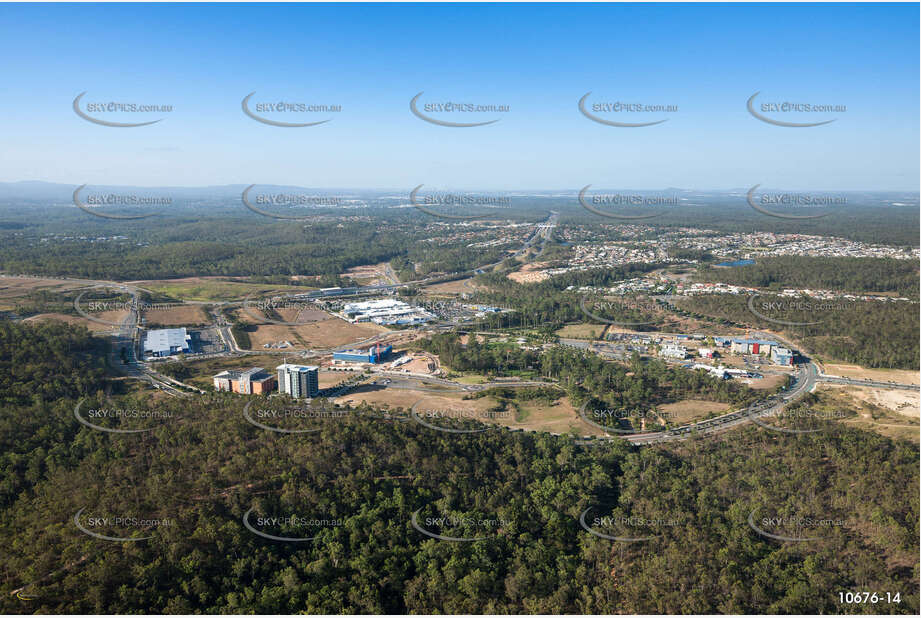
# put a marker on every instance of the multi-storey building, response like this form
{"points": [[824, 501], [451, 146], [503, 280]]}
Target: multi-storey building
{"points": [[299, 381]]}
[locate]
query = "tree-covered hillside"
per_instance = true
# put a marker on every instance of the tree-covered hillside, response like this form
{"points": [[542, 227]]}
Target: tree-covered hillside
{"points": [[356, 483]]}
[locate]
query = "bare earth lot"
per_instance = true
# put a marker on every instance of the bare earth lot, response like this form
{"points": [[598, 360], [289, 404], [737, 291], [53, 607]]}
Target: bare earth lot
{"points": [[901, 376], [369, 274], [887, 412], [326, 333], [302, 315], [461, 286], [767, 382], [529, 273], [401, 398], [12, 288], [96, 327], [185, 315], [559, 418]]}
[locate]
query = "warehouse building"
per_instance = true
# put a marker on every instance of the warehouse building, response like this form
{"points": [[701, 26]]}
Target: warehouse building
{"points": [[166, 341], [254, 381], [299, 381]]}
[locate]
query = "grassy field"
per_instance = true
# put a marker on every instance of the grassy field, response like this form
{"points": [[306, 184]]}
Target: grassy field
{"points": [[558, 417], [691, 410], [208, 289], [581, 331]]}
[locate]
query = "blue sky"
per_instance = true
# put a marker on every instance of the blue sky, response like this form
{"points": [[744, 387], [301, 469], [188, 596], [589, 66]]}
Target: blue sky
{"points": [[539, 59]]}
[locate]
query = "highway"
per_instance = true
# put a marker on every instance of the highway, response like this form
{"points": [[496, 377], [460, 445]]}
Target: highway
{"points": [[805, 381]]}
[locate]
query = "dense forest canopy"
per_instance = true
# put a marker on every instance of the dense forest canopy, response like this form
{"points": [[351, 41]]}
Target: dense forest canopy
{"points": [[219, 237], [869, 333], [843, 274]]}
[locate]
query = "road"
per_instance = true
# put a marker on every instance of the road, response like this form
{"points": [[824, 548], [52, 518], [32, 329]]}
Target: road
{"points": [[805, 380], [542, 233], [127, 342]]}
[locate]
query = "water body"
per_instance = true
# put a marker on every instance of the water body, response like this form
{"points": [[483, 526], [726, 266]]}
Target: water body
{"points": [[737, 263]]}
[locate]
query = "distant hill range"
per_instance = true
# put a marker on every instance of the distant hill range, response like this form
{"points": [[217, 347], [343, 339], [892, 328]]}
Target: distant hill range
{"points": [[34, 190]]}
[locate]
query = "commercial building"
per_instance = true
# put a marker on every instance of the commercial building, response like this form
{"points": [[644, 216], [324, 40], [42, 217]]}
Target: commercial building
{"points": [[375, 354], [707, 352], [166, 341], [752, 346], [328, 292], [385, 311], [253, 381], [673, 351], [782, 356], [719, 372], [299, 381]]}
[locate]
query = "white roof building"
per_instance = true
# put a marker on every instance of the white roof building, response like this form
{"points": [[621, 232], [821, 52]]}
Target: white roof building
{"points": [[166, 341]]}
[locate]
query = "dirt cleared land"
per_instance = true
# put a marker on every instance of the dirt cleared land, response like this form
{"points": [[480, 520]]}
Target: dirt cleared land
{"points": [[394, 398], [903, 403], [302, 315], [369, 274], [529, 273], [559, 418], [891, 413], [692, 410], [421, 363], [12, 287], [461, 286], [767, 382], [901, 376], [96, 327], [327, 333], [186, 315]]}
